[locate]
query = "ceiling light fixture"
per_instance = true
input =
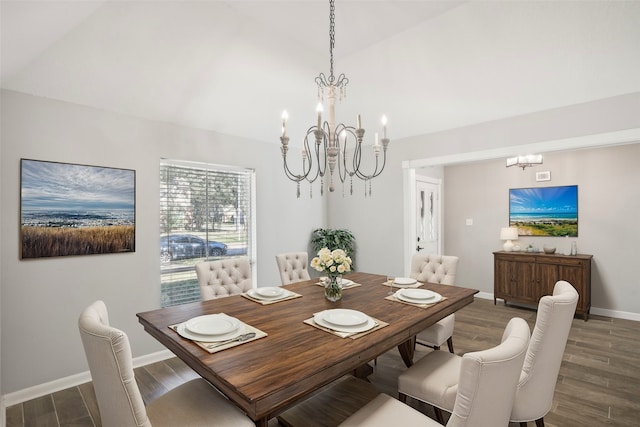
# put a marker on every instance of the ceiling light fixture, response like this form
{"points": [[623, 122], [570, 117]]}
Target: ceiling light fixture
{"points": [[524, 161], [331, 140]]}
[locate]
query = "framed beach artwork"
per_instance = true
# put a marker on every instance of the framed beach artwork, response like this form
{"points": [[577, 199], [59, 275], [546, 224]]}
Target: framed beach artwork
{"points": [[69, 209], [544, 211]]}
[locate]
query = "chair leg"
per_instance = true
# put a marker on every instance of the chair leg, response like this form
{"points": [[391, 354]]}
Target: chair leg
{"points": [[540, 422], [439, 416], [450, 344]]}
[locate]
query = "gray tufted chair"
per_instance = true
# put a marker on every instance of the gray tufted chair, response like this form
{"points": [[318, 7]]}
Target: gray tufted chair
{"points": [[293, 267], [436, 269], [224, 277], [194, 403], [485, 385]]}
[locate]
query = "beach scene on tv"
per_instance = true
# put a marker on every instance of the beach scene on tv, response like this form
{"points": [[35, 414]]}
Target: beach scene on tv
{"points": [[544, 211]]}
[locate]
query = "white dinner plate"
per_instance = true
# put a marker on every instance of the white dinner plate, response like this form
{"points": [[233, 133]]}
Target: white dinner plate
{"points": [[318, 318], [345, 317], [404, 281], [419, 294], [212, 324], [185, 333], [270, 292], [402, 297], [345, 282], [253, 293]]}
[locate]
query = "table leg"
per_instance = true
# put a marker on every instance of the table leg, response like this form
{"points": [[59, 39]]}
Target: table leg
{"points": [[406, 350], [262, 422]]}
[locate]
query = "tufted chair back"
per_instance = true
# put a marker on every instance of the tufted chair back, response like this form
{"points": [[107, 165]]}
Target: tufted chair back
{"points": [[434, 268], [221, 278], [293, 267], [109, 355], [488, 379], [534, 394]]}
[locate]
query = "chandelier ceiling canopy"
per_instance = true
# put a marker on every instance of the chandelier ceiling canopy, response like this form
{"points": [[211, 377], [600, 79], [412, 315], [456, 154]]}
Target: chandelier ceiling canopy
{"points": [[327, 144]]}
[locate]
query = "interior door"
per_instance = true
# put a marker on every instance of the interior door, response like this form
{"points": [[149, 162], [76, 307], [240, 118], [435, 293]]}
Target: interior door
{"points": [[428, 210]]}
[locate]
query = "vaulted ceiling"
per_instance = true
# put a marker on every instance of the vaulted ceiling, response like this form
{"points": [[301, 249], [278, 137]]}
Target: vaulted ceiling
{"points": [[233, 66]]}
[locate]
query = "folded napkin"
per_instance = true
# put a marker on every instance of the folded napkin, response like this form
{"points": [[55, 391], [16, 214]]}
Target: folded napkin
{"points": [[291, 295], [415, 285], [427, 305], [214, 347], [379, 324]]}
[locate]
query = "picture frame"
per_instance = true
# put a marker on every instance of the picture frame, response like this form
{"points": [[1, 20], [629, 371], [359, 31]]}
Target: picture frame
{"points": [[544, 211], [71, 209]]}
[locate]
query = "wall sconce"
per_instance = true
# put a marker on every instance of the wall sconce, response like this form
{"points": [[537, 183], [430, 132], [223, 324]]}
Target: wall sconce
{"points": [[524, 161], [508, 234]]}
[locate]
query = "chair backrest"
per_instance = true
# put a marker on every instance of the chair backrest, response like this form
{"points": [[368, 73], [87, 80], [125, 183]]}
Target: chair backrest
{"points": [[534, 394], [293, 267], [224, 277], [434, 268], [488, 380], [109, 356]]}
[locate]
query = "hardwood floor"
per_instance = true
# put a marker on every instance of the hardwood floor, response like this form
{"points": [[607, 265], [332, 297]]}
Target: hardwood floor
{"points": [[598, 384]]}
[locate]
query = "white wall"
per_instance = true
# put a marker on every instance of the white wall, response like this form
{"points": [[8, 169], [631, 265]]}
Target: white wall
{"points": [[41, 299], [608, 206], [378, 222]]}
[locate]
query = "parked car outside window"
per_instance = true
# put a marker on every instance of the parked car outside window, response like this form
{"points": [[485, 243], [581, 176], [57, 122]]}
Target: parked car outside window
{"points": [[183, 246]]}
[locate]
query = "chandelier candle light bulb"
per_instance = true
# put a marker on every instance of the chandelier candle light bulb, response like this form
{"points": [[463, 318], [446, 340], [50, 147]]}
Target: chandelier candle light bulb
{"points": [[384, 126]]}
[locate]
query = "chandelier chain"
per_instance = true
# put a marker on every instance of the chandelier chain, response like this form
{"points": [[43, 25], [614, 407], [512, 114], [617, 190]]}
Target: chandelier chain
{"points": [[332, 37]]}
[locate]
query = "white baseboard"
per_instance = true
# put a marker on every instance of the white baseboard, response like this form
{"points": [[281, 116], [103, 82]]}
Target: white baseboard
{"points": [[616, 314], [39, 390]]}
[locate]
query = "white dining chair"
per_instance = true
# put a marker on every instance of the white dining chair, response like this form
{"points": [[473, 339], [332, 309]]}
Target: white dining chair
{"points": [[436, 269], [534, 394], [484, 393], [293, 267], [224, 277], [108, 352]]}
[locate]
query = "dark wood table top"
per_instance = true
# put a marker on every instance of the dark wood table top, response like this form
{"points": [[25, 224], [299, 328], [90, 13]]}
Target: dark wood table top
{"points": [[265, 376]]}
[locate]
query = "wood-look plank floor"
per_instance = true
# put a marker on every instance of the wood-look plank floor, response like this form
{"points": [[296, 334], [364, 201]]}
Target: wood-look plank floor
{"points": [[598, 384]]}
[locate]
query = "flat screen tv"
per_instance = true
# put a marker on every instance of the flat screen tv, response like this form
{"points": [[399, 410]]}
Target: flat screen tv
{"points": [[544, 211]]}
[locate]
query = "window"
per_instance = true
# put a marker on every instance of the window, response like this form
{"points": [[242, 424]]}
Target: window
{"points": [[206, 212]]}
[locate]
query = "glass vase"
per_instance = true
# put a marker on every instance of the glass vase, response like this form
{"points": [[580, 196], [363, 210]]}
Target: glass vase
{"points": [[333, 288]]}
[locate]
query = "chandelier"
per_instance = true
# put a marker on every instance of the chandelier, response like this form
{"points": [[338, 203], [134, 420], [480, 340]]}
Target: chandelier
{"points": [[331, 143]]}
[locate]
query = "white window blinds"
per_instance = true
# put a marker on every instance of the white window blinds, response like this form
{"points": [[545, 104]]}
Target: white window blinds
{"points": [[206, 212]]}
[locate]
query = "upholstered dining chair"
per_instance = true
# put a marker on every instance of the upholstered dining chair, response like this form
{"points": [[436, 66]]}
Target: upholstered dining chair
{"points": [[484, 392], [293, 267], [224, 277], [534, 394], [436, 269], [108, 352]]}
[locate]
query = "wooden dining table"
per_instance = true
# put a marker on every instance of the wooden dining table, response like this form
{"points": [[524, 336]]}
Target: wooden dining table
{"points": [[266, 376]]}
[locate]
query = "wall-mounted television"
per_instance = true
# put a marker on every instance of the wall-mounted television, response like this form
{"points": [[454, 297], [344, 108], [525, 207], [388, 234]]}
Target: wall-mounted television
{"points": [[544, 211]]}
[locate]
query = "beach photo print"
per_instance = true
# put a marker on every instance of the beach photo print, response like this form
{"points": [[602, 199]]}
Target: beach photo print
{"points": [[69, 209], [544, 211]]}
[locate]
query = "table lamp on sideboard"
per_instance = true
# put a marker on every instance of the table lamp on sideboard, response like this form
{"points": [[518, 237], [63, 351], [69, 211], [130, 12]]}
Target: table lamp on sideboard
{"points": [[508, 234]]}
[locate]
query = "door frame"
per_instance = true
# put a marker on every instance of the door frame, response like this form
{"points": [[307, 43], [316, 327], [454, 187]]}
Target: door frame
{"points": [[410, 178]]}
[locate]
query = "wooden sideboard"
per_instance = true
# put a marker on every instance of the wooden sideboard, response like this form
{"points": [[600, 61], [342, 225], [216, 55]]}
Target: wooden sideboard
{"points": [[525, 277]]}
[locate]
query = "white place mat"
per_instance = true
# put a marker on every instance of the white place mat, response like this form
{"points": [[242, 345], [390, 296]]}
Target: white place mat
{"points": [[353, 335], [214, 347]]}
